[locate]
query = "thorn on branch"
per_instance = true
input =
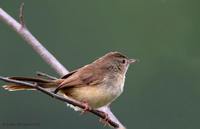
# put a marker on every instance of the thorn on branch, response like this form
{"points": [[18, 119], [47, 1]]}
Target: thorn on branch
{"points": [[21, 15]]}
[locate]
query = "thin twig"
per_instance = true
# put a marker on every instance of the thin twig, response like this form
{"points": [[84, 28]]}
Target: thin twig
{"points": [[21, 15], [70, 101], [41, 74], [46, 55]]}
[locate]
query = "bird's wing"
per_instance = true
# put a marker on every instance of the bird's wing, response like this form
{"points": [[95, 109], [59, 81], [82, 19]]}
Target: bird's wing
{"points": [[87, 76]]}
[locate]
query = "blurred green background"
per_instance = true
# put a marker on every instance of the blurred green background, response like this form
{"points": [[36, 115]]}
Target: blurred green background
{"points": [[162, 91]]}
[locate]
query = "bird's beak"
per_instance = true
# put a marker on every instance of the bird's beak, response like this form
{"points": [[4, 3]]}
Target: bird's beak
{"points": [[132, 61]]}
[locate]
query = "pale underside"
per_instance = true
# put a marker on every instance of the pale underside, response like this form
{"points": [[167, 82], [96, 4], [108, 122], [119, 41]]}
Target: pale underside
{"points": [[96, 97]]}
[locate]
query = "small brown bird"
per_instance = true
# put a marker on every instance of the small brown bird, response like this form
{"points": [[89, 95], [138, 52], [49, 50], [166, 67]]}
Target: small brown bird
{"points": [[97, 84]]}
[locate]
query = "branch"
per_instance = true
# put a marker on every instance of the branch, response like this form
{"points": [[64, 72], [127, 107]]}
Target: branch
{"points": [[33, 42], [52, 61], [70, 101]]}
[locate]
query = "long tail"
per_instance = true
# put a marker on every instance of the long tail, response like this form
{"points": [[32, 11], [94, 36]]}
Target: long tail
{"points": [[41, 82]]}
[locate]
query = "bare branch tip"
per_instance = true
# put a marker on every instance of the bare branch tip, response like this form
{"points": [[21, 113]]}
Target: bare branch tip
{"points": [[21, 15]]}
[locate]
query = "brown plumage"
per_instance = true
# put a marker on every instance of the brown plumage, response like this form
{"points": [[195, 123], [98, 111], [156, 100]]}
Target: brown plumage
{"points": [[98, 83]]}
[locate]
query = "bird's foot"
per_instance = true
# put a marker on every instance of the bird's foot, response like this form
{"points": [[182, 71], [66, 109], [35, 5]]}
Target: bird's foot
{"points": [[105, 119], [86, 107]]}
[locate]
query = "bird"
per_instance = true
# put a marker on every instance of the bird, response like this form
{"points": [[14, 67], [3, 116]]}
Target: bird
{"points": [[97, 84]]}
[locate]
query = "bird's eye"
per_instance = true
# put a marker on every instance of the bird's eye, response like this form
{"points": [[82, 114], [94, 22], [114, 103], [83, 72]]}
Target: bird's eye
{"points": [[123, 61]]}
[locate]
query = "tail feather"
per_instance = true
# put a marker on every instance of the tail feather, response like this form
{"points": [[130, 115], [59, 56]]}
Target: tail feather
{"points": [[40, 81], [14, 87], [30, 79]]}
